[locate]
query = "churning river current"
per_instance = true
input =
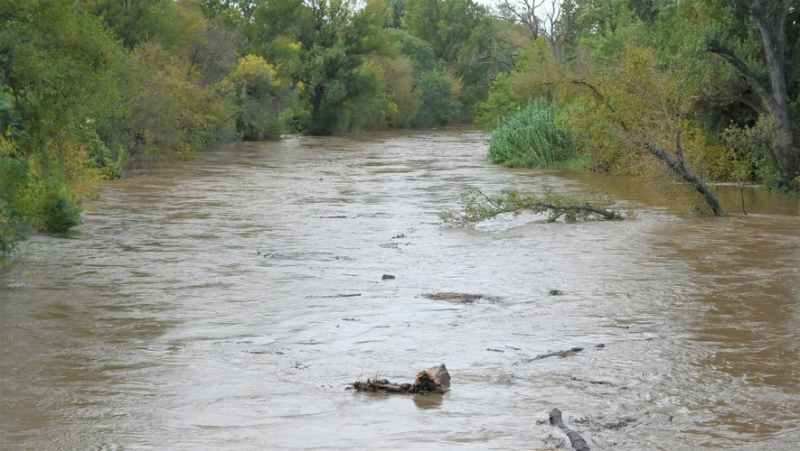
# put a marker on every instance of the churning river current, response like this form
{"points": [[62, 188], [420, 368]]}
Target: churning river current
{"points": [[227, 302]]}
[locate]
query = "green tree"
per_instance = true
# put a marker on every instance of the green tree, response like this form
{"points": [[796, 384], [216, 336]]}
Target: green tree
{"points": [[165, 110], [173, 24], [244, 9], [400, 86], [258, 95], [57, 76], [439, 105], [462, 34], [369, 106], [322, 44], [449, 26], [771, 74]]}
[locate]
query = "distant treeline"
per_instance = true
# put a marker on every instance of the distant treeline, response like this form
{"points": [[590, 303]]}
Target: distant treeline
{"points": [[90, 88]]}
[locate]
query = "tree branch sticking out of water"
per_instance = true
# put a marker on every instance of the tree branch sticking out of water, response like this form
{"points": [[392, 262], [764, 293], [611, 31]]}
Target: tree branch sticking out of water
{"points": [[478, 206]]}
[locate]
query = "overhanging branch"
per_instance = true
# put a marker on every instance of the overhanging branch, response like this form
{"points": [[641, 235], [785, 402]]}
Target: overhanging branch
{"points": [[741, 67], [725, 99]]}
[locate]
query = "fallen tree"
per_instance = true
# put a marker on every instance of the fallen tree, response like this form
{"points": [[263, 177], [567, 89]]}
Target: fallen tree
{"points": [[478, 206]]}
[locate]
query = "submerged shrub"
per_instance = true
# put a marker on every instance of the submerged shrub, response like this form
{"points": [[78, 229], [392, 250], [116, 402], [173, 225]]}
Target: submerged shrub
{"points": [[60, 213], [531, 137]]}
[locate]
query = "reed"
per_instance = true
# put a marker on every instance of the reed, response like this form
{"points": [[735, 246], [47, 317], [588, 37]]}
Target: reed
{"points": [[531, 137]]}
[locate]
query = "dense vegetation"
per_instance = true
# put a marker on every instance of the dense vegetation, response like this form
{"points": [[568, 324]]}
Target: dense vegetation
{"points": [[532, 136], [700, 89], [91, 88]]}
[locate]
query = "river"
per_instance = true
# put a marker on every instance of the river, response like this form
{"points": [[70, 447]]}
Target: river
{"points": [[228, 301]]}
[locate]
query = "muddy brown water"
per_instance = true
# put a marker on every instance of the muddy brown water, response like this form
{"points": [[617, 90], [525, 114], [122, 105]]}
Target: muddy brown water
{"points": [[200, 307]]}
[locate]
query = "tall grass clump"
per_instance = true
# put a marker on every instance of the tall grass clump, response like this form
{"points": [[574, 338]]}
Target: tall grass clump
{"points": [[531, 137]]}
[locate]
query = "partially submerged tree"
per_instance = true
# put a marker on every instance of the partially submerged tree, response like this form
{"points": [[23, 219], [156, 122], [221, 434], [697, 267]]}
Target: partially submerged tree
{"points": [[462, 34], [631, 107], [478, 206]]}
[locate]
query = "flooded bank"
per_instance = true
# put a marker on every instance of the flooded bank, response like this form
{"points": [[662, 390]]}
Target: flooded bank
{"points": [[229, 301]]}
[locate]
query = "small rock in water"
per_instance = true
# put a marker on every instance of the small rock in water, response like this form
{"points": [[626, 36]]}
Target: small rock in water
{"points": [[387, 277], [557, 293]]}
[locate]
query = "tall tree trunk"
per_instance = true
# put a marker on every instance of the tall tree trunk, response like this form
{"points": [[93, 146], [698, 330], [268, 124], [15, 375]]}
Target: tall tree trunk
{"points": [[771, 19], [316, 126]]}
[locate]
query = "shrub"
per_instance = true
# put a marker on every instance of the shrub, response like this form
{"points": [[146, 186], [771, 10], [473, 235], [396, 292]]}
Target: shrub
{"points": [[60, 214], [531, 137]]}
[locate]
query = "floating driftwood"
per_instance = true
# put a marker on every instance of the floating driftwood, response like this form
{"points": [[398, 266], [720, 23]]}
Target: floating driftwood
{"points": [[434, 380], [562, 354], [459, 298], [343, 295], [577, 442]]}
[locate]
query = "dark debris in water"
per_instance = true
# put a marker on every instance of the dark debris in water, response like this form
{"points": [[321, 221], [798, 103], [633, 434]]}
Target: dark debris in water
{"points": [[563, 354], [435, 380], [460, 298], [331, 296], [577, 379], [602, 423]]}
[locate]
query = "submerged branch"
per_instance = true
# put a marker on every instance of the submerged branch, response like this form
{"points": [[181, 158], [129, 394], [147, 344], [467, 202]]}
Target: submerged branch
{"points": [[577, 442], [478, 206], [558, 210]]}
